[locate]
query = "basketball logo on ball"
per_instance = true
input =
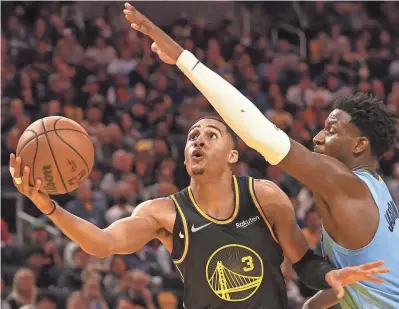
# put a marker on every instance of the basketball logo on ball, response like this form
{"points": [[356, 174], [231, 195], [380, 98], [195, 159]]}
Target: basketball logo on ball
{"points": [[58, 151]]}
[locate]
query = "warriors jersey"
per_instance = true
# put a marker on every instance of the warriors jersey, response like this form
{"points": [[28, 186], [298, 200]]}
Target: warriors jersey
{"points": [[231, 263]]}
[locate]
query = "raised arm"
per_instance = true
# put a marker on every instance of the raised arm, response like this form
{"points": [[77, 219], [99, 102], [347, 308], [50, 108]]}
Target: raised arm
{"points": [[313, 270], [247, 121], [122, 237]]}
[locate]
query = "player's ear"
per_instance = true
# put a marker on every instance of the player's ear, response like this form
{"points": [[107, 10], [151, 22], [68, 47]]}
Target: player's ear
{"points": [[362, 143], [233, 157]]}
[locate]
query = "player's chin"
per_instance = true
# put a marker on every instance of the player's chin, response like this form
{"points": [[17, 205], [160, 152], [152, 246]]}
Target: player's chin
{"points": [[197, 169]]}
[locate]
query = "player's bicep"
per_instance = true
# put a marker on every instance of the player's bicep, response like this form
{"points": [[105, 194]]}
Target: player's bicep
{"points": [[131, 234], [320, 173], [278, 208], [290, 236]]}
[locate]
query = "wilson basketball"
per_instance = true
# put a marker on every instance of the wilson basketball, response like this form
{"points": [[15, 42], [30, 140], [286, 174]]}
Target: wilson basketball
{"points": [[58, 151]]}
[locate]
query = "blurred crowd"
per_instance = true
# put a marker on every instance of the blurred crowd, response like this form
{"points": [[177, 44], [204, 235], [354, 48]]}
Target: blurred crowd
{"points": [[137, 111]]}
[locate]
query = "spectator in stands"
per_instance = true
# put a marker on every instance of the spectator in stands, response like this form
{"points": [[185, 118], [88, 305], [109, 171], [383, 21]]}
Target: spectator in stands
{"points": [[71, 277], [76, 301], [38, 236], [24, 289], [118, 270], [37, 261], [313, 228], [44, 300], [122, 163], [125, 303], [122, 208], [5, 235], [92, 294], [86, 206]]}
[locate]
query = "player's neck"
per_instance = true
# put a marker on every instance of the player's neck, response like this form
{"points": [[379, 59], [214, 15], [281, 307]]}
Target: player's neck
{"points": [[368, 164], [216, 197]]}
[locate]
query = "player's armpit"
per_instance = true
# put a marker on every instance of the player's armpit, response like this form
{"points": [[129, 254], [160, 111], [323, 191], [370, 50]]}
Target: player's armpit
{"points": [[321, 300], [280, 213], [130, 234]]}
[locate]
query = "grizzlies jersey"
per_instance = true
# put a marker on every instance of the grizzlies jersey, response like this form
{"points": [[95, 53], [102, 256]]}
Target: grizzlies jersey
{"points": [[231, 263], [384, 246]]}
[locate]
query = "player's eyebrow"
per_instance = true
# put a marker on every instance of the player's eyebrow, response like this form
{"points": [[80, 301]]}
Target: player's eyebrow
{"points": [[209, 125], [331, 121]]}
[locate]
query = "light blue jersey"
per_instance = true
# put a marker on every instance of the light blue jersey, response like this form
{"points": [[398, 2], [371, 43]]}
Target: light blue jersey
{"points": [[384, 246]]}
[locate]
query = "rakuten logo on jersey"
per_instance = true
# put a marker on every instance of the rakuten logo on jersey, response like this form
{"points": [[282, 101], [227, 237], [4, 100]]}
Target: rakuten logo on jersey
{"points": [[245, 223]]}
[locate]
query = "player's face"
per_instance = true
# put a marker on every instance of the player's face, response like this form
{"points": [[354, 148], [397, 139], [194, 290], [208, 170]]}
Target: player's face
{"points": [[209, 148], [339, 138]]}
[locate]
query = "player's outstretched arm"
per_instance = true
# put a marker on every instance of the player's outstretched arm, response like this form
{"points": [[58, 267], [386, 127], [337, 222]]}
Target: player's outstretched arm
{"points": [[321, 300], [123, 236], [312, 269], [247, 121]]}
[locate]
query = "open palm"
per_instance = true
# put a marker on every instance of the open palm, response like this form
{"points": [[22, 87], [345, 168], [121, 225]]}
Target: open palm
{"points": [[166, 48], [339, 278]]}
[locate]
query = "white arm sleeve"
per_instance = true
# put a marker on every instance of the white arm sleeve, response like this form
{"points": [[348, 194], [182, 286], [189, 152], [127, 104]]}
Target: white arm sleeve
{"points": [[240, 114]]}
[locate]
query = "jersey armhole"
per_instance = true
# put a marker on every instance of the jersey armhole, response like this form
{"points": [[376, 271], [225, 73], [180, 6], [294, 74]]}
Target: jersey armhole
{"points": [[260, 210], [180, 231]]}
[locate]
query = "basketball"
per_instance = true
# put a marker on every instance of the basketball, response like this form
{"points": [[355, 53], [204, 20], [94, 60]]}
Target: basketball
{"points": [[58, 151]]}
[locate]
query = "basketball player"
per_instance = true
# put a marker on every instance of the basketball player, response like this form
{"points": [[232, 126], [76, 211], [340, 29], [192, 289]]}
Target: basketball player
{"points": [[226, 234], [359, 214]]}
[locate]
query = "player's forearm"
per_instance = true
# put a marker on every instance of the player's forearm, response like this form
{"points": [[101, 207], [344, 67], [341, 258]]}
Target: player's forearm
{"points": [[312, 270], [89, 237], [238, 112]]}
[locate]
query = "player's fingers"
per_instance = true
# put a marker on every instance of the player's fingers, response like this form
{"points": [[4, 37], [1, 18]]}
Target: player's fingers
{"points": [[335, 285], [12, 164], [338, 289], [129, 7], [17, 178], [341, 292], [25, 177], [17, 168], [35, 189], [379, 270], [375, 279], [372, 265]]}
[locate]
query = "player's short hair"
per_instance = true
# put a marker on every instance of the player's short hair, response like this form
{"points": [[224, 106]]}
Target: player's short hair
{"points": [[375, 120], [232, 134]]}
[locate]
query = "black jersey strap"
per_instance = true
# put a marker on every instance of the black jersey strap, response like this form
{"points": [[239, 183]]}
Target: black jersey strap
{"points": [[312, 270]]}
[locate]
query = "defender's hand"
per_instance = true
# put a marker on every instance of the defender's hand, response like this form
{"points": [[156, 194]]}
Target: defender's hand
{"points": [[337, 279], [21, 181], [166, 48]]}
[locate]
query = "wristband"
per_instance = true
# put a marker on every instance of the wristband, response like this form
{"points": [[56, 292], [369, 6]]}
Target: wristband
{"points": [[54, 208]]}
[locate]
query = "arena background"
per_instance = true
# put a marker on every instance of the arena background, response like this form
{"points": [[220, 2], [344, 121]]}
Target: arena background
{"points": [[81, 60]]}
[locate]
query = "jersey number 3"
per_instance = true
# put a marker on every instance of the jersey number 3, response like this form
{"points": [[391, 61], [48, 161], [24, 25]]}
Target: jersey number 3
{"points": [[249, 263]]}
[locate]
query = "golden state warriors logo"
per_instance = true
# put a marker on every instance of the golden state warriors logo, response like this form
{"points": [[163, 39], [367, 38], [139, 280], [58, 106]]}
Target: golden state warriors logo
{"points": [[234, 272]]}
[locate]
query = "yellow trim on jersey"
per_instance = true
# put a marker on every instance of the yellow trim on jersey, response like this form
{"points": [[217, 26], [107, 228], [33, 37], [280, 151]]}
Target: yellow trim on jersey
{"points": [[236, 207], [178, 269], [186, 242], [256, 202]]}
